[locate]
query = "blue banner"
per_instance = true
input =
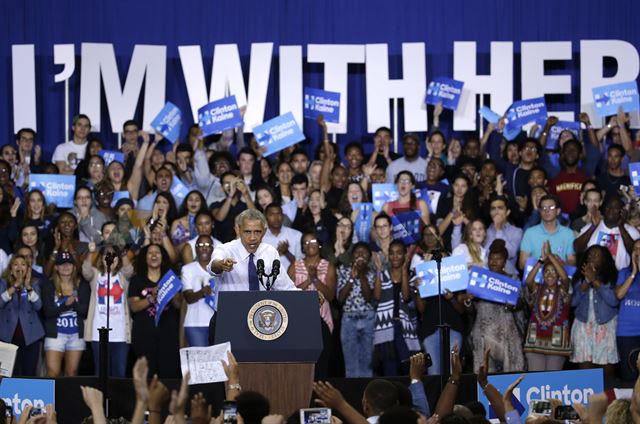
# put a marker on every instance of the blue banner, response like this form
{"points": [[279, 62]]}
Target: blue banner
{"points": [[426, 195], [383, 193], [278, 133], [608, 98], [219, 115], [453, 275], [111, 155], [489, 115], [567, 386], [492, 286], [406, 227], [531, 261], [445, 90], [212, 299], [18, 393], [634, 174], [321, 102], [178, 190], [364, 221], [168, 286], [554, 132], [524, 111], [58, 189], [168, 122], [117, 195]]}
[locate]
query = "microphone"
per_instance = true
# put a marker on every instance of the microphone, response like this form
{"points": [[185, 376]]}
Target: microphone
{"points": [[275, 268], [260, 268]]}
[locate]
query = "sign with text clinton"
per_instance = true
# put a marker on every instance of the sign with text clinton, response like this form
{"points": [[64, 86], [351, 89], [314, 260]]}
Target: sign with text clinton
{"points": [[554, 132], [109, 156], [364, 220], [609, 98], [18, 393], [168, 122], [278, 133], [567, 386], [531, 262], [445, 90], [320, 102], [492, 286], [453, 275], [406, 227], [383, 193], [168, 286], [58, 189], [524, 111], [634, 174], [219, 115], [178, 190]]}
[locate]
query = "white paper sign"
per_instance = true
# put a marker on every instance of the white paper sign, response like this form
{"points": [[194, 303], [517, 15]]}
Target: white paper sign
{"points": [[204, 363], [8, 354]]}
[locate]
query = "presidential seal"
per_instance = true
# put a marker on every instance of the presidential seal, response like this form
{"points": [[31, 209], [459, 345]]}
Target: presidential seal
{"points": [[267, 320]]}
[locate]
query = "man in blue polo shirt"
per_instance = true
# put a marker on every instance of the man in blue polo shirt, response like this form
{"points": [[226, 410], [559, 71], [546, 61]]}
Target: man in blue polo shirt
{"points": [[559, 236]]}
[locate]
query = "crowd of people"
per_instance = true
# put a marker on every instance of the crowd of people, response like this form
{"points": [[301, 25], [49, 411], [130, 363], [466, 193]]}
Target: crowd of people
{"points": [[565, 208]]}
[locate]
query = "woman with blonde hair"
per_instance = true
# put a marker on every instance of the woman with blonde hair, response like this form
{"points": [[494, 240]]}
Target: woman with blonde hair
{"points": [[65, 301], [472, 244]]}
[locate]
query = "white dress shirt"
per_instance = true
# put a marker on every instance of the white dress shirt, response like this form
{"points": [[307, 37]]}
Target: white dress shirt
{"points": [[238, 278], [294, 237]]}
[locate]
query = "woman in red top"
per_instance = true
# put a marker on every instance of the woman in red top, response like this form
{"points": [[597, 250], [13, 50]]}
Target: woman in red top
{"points": [[405, 182]]}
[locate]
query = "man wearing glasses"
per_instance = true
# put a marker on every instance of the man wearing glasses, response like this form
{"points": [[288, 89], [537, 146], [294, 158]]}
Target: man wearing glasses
{"points": [[560, 237], [199, 290]]}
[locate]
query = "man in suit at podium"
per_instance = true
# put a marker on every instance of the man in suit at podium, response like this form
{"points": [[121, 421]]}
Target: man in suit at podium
{"points": [[236, 262]]}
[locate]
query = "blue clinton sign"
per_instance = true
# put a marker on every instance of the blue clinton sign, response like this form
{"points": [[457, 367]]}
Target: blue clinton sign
{"points": [[609, 98], [18, 393], [492, 286], [320, 102], [219, 115], [445, 90], [524, 111], [58, 189], [168, 122], [453, 275], [278, 133], [168, 286]]}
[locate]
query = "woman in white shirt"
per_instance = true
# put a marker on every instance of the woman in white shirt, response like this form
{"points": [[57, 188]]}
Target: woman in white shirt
{"points": [[472, 245]]}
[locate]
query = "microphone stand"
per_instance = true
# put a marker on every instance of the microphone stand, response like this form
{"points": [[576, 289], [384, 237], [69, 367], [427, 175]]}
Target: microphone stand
{"points": [[445, 335], [103, 332]]}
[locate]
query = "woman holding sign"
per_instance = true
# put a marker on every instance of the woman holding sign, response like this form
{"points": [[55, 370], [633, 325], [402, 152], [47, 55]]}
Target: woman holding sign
{"points": [[497, 327], [158, 343], [547, 343], [65, 302]]}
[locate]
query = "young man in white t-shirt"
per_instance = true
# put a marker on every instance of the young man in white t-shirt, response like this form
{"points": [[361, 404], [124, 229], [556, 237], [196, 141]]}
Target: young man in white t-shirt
{"points": [[67, 155]]}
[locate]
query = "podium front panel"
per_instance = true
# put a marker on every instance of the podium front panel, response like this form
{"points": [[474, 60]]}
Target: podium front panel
{"points": [[253, 322]]}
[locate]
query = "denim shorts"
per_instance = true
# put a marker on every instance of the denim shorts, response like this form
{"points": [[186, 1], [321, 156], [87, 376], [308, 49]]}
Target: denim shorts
{"points": [[64, 342]]}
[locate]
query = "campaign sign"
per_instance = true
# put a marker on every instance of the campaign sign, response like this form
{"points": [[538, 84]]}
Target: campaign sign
{"points": [[168, 286], [511, 133], [489, 115], [531, 262], [554, 132], [117, 195], [278, 133], [212, 299], [634, 173], [406, 227], [567, 386], [18, 393], [492, 286], [383, 193], [453, 276], [364, 219], [219, 115], [426, 195], [110, 155], [58, 189], [168, 122], [524, 111], [445, 90], [609, 98], [178, 190], [320, 102]]}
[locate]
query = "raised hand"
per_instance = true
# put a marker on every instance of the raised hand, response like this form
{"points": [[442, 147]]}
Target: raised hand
{"points": [[140, 374]]}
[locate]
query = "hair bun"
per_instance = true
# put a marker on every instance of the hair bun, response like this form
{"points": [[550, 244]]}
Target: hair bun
{"points": [[498, 245]]}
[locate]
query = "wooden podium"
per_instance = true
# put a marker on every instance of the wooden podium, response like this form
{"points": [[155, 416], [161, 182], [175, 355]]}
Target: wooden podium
{"points": [[277, 339]]}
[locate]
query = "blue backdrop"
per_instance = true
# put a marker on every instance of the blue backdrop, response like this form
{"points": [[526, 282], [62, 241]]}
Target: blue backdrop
{"points": [[299, 22]]}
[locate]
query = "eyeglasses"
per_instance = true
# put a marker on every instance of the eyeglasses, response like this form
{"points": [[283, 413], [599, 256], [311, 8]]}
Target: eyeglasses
{"points": [[548, 208], [382, 225], [96, 165], [203, 244], [105, 193], [530, 148], [404, 180], [308, 242]]}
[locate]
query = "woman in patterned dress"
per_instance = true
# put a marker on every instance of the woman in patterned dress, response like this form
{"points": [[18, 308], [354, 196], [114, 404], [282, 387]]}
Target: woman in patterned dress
{"points": [[548, 344]]}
